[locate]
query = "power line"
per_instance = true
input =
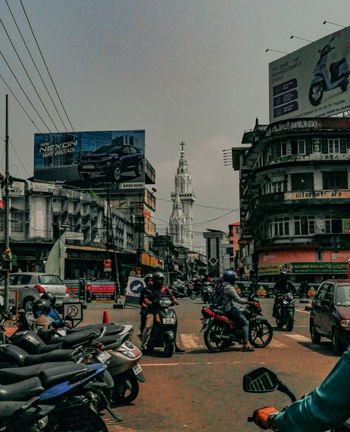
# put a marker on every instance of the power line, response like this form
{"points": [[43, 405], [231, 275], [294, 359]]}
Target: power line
{"points": [[42, 56], [25, 70], [19, 103], [36, 67], [19, 158]]}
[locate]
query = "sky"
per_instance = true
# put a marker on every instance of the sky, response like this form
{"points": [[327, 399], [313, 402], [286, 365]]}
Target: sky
{"points": [[183, 70]]}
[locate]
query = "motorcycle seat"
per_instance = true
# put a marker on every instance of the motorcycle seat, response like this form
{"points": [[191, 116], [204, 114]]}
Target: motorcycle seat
{"points": [[53, 356], [9, 408], [21, 391], [13, 375], [108, 340], [334, 69], [110, 328], [51, 377], [76, 339]]}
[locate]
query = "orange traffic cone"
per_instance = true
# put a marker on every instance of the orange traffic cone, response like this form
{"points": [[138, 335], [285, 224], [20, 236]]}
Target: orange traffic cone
{"points": [[105, 319]]}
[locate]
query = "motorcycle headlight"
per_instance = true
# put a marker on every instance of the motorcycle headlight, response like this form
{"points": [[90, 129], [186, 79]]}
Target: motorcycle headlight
{"points": [[128, 354], [165, 302]]}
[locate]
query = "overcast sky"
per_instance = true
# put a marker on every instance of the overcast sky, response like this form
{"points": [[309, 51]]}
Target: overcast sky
{"points": [[183, 70]]}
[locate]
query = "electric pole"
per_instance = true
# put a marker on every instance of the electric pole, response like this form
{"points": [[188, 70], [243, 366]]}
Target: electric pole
{"points": [[7, 256]]}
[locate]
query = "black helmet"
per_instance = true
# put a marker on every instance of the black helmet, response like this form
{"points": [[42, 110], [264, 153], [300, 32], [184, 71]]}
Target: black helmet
{"points": [[229, 276], [50, 297], [41, 307], [158, 279]]}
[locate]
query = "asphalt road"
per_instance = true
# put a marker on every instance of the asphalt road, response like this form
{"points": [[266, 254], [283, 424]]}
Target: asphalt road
{"points": [[202, 391]]}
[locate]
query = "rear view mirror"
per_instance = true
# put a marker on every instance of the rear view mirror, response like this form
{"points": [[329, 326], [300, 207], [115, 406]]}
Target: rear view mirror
{"points": [[260, 380]]}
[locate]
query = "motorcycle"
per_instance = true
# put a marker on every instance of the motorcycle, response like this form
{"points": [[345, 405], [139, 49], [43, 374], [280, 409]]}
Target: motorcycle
{"points": [[284, 311], [195, 290], [325, 80], [179, 289], [164, 327], [221, 333], [58, 399], [263, 380], [207, 292]]}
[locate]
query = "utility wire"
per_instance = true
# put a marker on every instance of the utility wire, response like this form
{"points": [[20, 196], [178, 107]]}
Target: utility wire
{"points": [[20, 104], [36, 67], [42, 56], [25, 94], [19, 158], [25, 70]]}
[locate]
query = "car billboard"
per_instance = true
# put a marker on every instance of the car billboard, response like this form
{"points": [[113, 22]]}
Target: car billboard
{"points": [[93, 160], [312, 81]]}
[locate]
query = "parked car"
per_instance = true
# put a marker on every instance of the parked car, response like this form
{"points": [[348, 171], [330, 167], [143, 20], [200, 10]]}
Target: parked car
{"points": [[110, 162], [32, 285], [330, 314]]}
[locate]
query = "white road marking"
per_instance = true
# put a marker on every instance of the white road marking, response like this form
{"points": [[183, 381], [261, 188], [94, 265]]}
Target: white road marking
{"points": [[302, 311], [276, 344], [298, 337], [191, 341], [200, 363]]}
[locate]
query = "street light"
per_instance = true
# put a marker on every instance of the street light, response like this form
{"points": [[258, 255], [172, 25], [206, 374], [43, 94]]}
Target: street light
{"points": [[297, 37], [277, 51], [330, 22]]}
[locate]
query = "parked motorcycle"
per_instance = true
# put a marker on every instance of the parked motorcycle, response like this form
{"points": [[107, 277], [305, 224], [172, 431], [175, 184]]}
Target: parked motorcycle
{"points": [[179, 289], [207, 292], [263, 380], [195, 290], [324, 80], [164, 327], [220, 332], [284, 311]]}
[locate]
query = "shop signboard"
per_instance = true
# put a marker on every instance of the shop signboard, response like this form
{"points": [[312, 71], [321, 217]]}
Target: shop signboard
{"points": [[107, 265], [313, 80], [100, 291], [100, 160]]}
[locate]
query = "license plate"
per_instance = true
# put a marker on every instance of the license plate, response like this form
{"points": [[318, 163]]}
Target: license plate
{"points": [[137, 369], [168, 320], [89, 167], [204, 324], [104, 356]]}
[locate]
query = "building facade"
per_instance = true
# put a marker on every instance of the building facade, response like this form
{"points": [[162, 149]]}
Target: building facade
{"points": [[295, 198], [181, 219]]}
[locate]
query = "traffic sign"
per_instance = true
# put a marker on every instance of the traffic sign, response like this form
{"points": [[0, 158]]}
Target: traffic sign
{"points": [[213, 261]]}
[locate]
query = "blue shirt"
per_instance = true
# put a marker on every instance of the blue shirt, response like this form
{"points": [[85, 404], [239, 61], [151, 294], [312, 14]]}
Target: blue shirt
{"points": [[327, 406]]}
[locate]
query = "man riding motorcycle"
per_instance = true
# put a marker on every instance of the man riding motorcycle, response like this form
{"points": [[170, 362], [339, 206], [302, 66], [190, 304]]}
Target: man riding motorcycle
{"points": [[149, 303], [282, 286], [325, 407], [229, 297]]}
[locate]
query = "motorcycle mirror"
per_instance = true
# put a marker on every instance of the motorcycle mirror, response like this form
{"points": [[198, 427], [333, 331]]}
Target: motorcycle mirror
{"points": [[260, 380]]}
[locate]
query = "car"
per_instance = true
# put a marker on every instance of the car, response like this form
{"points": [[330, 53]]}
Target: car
{"points": [[330, 314], [32, 285], [111, 162]]}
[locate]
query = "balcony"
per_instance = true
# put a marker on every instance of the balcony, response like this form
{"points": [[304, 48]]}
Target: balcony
{"points": [[150, 173]]}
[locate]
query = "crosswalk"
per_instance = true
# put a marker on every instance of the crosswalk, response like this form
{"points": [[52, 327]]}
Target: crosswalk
{"points": [[192, 341]]}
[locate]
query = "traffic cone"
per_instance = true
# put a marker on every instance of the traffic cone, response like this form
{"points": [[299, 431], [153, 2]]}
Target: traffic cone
{"points": [[105, 319]]}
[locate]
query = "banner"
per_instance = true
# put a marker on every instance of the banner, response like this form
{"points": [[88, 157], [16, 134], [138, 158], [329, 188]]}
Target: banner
{"points": [[133, 290], [100, 291]]}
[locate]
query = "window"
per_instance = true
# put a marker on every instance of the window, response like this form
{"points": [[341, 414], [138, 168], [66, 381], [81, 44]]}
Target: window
{"points": [[322, 291], [133, 150], [304, 225], [301, 147], [335, 180], [279, 227], [17, 224], [330, 293], [302, 181]]}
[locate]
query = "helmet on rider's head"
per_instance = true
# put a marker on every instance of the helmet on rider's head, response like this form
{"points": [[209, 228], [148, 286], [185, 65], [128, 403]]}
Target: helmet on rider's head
{"points": [[229, 276], [50, 297], [148, 278], [158, 279], [41, 307]]}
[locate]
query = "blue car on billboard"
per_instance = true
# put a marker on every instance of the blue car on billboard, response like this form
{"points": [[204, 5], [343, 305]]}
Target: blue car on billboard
{"points": [[111, 162]]}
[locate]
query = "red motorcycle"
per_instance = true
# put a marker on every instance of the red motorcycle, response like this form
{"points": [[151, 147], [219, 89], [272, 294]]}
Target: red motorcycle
{"points": [[220, 332]]}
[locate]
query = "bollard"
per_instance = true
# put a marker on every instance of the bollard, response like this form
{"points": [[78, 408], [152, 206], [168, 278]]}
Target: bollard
{"points": [[105, 319]]}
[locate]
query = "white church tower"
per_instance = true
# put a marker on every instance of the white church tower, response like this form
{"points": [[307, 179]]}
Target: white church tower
{"points": [[181, 219]]}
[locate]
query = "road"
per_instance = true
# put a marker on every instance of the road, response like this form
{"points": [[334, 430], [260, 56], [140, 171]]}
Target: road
{"points": [[202, 391]]}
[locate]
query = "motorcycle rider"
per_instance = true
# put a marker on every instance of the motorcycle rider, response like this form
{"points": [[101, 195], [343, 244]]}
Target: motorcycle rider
{"points": [[143, 302], [282, 286], [324, 408], [228, 298]]}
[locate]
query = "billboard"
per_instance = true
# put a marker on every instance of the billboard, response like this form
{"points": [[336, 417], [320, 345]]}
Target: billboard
{"points": [[93, 160], [312, 81]]}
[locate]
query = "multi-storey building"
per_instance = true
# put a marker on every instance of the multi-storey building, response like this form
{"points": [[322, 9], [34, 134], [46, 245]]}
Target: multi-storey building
{"points": [[295, 198]]}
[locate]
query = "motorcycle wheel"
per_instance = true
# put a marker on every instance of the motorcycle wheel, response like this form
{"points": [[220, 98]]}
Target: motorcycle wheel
{"points": [[316, 93], [290, 321], [212, 343], [169, 348], [260, 333], [126, 388], [76, 419]]}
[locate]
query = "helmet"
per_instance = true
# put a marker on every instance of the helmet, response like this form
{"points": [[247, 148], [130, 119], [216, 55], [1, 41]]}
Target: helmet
{"points": [[148, 277], [50, 297], [41, 307], [158, 279], [229, 276]]}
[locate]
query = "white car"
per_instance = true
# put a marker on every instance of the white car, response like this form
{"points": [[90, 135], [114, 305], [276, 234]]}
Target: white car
{"points": [[31, 286]]}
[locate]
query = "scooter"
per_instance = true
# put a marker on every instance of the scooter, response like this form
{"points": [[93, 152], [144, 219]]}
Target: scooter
{"points": [[284, 311], [164, 327], [263, 380], [325, 80]]}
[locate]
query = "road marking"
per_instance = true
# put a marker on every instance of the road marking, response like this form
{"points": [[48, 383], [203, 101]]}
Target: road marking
{"points": [[298, 337], [276, 344], [302, 311], [200, 363], [191, 341], [301, 326]]}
